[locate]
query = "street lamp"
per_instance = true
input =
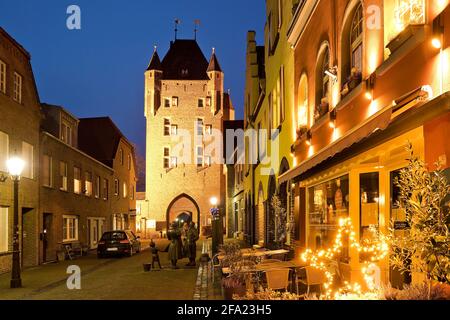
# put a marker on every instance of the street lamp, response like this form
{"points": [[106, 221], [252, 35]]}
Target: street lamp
{"points": [[15, 167], [217, 231]]}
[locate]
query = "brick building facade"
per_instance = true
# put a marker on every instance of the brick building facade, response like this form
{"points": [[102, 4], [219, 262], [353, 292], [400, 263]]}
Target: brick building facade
{"points": [[19, 135]]}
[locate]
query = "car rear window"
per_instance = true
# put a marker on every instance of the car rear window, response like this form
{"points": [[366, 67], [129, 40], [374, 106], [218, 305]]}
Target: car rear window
{"points": [[114, 236]]}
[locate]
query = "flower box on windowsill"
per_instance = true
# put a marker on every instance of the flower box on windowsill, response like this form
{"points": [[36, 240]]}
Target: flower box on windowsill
{"points": [[353, 81], [321, 110], [301, 132]]}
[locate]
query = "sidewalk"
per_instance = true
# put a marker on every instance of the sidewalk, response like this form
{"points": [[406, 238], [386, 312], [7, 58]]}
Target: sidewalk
{"points": [[44, 277]]}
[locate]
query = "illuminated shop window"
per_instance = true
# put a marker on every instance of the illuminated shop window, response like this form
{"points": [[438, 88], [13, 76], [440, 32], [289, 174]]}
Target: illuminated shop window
{"points": [[399, 14], [327, 203]]}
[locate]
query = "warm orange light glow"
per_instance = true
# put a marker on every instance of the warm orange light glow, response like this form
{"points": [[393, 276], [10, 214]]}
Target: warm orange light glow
{"points": [[369, 95], [436, 42], [332, 124], [373, 108]]}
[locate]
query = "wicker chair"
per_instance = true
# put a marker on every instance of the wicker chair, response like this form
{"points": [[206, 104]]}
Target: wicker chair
{"points": [[278, 279], [314, 277]]}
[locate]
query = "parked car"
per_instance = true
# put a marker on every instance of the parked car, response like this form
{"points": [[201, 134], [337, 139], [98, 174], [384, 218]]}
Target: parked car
{"points": [[119, 242]]}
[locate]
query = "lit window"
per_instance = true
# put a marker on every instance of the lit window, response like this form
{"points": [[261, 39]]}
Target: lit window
{"points": [[125, 190], [17, 87], [4, 229], [2, 77], [63, 175], [28, 157], [173, 162], [4, 149], [208, 130], [70, 228], [174, 101], [303, 102], [356, 36], [129, 161], [66, 133], [88, 184], [76, 180], [208, 161], [322, 84], [208, 101], [173, 130]]}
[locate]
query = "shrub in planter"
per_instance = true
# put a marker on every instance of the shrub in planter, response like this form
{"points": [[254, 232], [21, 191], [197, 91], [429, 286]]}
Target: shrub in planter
{"points": [[234, 285]]}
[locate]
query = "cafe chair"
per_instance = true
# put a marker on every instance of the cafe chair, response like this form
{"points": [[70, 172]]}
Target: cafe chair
{"points": [[279, 256], [215, 263], [277, 279], [313, 277]]}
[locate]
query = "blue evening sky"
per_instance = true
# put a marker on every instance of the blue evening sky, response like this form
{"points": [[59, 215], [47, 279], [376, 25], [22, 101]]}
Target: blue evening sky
{"points": [[99, 70]]}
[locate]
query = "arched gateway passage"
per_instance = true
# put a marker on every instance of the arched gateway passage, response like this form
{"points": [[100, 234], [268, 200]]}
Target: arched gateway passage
{"points": [[183, 207]]}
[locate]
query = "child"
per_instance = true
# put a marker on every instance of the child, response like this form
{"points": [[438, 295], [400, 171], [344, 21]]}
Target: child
{"points": [[155, 256]]}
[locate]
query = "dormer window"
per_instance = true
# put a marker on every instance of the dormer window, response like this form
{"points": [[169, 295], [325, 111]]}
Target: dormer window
{"points": [[66, 133], [184, 72]]}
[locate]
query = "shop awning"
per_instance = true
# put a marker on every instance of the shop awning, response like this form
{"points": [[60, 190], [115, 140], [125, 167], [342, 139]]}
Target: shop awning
{"points": [[378, 129], [379, 121]]}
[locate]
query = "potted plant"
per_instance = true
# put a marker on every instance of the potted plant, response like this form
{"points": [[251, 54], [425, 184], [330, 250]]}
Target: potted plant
{"points": [[235, 283]]}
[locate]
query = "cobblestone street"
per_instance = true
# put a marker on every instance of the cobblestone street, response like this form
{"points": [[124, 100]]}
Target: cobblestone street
{"points": [[119, 278]]}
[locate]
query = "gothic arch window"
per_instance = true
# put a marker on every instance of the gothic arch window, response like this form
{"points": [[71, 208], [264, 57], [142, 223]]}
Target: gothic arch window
{"points": [[323, 82], [356, 38], [302, 103], [352, 48]]}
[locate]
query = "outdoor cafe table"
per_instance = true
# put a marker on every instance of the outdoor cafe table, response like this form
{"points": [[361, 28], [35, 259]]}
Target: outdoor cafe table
{"points": [[259, 254], [261, 267]]}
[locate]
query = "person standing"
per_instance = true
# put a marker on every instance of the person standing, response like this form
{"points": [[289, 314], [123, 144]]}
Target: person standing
{"points": [[174, 235], [191, 239]]}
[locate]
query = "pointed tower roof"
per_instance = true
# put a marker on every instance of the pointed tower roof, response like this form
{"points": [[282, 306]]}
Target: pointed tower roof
{"points": [[214, 63], [155, 62]]}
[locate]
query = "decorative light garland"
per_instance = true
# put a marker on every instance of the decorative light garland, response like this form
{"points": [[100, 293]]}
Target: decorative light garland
{"points": [[377, 250]]}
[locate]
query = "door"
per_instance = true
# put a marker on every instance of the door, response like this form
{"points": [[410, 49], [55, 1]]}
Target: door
{"points": [[47, 238]]}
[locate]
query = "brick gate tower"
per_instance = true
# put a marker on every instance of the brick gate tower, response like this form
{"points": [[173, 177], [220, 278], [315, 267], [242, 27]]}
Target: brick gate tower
{"points": [[185, 106]]}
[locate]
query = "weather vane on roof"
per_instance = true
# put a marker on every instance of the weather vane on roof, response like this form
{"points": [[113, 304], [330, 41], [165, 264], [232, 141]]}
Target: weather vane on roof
{"points": [[196, 26], [177, 22]]}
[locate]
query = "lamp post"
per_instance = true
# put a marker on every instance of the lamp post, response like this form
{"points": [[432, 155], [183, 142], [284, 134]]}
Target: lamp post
{"points": [[15, 166], [217, 232]]}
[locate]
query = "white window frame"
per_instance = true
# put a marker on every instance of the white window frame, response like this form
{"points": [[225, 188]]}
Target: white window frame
{"points": [[173, 130], [66, 132], [208, 130], [2, 77], [199, 122], [66, 224], [17, 94], [173, 162]]}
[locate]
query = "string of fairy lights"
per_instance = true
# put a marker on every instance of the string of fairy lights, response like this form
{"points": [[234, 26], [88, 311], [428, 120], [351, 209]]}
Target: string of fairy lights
{"points": [[375, 248]]}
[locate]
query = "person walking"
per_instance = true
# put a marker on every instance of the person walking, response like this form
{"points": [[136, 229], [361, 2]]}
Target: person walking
{"points": [[174, 235], [191, 239]]}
